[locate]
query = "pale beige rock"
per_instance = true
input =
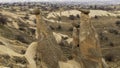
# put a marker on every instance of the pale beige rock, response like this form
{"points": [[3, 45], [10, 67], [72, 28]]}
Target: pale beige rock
{"points": [[7, 51], [57, 37], [69, 64], [4, 67], [93, 13], [30, 55], [15, 25]]}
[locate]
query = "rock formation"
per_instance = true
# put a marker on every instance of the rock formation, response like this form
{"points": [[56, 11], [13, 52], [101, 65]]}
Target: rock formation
{"points": [[48, 52], [89, 44]]}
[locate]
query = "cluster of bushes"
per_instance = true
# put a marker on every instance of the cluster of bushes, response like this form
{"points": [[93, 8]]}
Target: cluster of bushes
{"points": [[72, 17], [113, 31]]}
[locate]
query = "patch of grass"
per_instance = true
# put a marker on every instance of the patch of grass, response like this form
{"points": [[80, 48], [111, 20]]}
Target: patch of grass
{"points": [[6, 32], [15, 34]]}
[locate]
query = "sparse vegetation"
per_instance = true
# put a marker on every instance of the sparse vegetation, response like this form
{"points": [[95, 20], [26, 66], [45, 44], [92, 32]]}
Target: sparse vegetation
{"points": [[113, 31]]}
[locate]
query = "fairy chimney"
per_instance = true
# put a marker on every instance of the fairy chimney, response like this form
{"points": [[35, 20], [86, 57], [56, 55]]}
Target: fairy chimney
{"points": [[49, 52], [88, 40]]}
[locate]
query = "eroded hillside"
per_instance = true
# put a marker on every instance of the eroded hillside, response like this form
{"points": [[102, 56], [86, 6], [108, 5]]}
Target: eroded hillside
{"points": [[18, 35]]}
